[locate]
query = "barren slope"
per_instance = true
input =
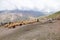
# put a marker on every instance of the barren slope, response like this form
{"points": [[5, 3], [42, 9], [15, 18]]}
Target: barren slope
{"points": [[36, 31]]}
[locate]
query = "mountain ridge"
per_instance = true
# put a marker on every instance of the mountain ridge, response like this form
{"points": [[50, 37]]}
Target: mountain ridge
{"points": [[15, 15]]}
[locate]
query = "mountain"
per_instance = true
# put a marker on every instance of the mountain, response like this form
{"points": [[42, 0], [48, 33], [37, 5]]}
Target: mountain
{"points": [[14, 15], [25, 12]]}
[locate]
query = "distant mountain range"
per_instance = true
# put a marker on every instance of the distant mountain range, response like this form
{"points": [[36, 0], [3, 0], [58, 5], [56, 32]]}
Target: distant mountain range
{"points": [[24, 12], [14, 15]]}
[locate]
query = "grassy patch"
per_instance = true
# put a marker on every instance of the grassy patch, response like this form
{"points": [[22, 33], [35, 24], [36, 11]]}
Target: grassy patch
{"points": [[54, 15]]}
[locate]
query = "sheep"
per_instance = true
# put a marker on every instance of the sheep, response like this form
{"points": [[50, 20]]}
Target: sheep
{"points": [[20, 23], [6, 25], [14, 25]]}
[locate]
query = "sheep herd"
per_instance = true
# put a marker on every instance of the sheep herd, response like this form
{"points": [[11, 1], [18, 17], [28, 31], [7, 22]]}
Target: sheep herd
{"points": [[19, 23]]}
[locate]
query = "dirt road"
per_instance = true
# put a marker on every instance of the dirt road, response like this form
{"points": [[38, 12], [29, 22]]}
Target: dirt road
{"points": [[36, 31]]}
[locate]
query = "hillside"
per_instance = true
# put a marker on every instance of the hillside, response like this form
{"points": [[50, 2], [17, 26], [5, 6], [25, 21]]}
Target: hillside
{"points": [[55, 15], [36, 31], [33, 31]]}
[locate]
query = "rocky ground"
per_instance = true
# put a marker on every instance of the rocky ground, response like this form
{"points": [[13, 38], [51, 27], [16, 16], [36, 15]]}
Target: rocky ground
{"points": [[35, 31]]}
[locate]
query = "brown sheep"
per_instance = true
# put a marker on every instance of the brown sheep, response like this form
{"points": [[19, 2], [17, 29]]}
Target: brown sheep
{"points": [[20, 23], [6, 25], [14, 25]]}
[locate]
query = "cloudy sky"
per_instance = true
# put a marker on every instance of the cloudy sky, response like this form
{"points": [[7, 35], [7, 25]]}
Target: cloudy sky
{"points": [[40, 5]]}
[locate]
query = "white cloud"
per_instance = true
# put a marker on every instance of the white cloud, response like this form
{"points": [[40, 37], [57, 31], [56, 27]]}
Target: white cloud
{"points": [[45, 5]]}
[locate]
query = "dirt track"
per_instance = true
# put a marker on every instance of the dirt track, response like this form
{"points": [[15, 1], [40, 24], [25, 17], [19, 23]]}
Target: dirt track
{"points": [[36, 31]]}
